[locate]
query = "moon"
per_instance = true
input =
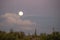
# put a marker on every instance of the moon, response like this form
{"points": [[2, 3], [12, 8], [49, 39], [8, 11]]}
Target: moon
{"points": [[21, 13]]}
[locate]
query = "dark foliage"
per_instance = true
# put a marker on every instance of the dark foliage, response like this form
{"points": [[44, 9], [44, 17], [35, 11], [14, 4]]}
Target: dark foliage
{"points": [[21, 36]]}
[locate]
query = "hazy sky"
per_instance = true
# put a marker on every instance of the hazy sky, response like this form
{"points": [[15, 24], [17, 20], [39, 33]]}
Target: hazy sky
{"points": [[40, 14]]}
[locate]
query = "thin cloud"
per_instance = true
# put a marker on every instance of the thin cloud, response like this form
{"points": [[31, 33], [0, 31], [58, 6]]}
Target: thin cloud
{"points": [[11, 18]]}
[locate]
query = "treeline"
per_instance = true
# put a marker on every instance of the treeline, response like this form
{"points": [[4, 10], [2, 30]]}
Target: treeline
{"points": [[21, 36]]}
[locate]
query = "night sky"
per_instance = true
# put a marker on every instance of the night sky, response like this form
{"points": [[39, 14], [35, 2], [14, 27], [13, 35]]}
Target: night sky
{"points": [[41, 15]]}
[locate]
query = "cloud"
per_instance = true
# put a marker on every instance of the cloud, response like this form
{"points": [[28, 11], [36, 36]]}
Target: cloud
{"points": [[11, 20]]}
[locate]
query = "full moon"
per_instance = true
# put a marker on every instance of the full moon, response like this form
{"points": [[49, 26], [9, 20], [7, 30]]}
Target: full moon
{"points": [[21, 13]]}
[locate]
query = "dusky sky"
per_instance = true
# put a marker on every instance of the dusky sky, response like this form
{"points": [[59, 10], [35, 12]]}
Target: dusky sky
{"points": [[40, 14]]}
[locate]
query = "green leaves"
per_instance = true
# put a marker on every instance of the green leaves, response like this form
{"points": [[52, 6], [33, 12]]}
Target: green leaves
{"points": [[21, 36]]}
